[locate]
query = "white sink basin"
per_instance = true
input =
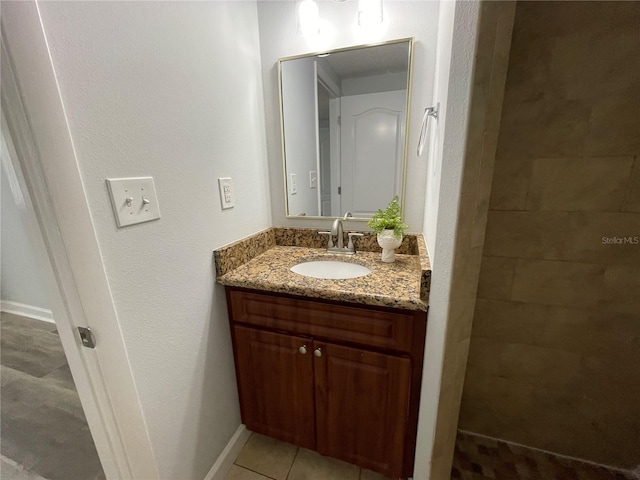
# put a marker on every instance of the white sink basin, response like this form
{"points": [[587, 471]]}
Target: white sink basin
{"points": [[330, 269]]}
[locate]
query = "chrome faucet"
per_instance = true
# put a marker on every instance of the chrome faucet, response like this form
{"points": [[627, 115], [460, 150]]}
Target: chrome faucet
{"points": [[338, 231]]}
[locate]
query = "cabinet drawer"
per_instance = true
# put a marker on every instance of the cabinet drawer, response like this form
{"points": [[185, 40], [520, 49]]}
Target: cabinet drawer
{"points": [[361, 325]]}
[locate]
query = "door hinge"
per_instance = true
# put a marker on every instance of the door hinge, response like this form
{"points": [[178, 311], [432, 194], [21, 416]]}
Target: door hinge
{"points": [[339, 190], [339, 119], [87, 337]]}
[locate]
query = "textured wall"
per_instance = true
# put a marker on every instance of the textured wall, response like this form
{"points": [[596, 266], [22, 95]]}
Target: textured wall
{"points": [[278, 38], [172, 90], [555, 347], [483, 97], [20, 271]]}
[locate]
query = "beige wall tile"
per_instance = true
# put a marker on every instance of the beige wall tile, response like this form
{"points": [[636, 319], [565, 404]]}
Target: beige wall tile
{"points": [[550, 420], [558, 283], [529, 69], [532, 364], [538, 20], [466, 215], [632, 202], [466, 268], [622, 289], [496, 277], [460, 319], [595, 63], [500, 64], [510, 186], [596, 333], [606, 238], [510, 322], [544, 129], [589, 332], [614, 125], [527, 234], [565, 422], [579, 184], [483, 190], [495, 406]]}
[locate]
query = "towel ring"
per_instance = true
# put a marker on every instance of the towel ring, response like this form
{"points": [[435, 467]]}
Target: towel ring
{"points": [[429, 112]]}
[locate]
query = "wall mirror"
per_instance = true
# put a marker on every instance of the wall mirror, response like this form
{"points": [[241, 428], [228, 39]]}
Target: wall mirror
{"points": [[344, 121]]}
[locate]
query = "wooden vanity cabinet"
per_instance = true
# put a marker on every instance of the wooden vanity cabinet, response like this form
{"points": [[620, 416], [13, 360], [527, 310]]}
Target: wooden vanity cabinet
{"points": [[339, 378]]}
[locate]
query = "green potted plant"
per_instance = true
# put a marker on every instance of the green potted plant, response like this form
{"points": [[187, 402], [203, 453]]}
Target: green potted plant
{"points": [[390, 228]]}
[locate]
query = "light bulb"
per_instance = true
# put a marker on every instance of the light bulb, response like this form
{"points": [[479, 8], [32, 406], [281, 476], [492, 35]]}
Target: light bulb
{"points": [[308, 18]]}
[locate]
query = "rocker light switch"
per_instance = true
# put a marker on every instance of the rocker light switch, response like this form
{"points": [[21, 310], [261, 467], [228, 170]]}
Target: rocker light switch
{"points": [[133, 200]]}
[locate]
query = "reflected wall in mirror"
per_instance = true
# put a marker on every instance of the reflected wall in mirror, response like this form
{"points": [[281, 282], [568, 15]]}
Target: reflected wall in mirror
{"points": [[344, 116]]}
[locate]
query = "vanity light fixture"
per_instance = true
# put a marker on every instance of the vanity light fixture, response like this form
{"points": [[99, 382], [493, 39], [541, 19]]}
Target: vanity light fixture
{"points": [[308, 18], [369, 13]]}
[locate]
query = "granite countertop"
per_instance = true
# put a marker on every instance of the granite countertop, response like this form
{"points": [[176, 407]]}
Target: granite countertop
{"points": [[397, 285]]}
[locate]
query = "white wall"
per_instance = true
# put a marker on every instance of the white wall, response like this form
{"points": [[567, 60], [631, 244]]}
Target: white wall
{"points": [[278, 38], [20, 273], [457, 29], [172, 90]]}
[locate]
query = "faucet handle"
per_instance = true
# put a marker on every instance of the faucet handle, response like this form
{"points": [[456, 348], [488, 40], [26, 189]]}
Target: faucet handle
{"points": [[351, 246], [330, 244]]}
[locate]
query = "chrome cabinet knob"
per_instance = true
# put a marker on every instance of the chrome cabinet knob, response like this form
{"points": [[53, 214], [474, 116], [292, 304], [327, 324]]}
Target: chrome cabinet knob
{"points": [[317, 352], [303, 349]]}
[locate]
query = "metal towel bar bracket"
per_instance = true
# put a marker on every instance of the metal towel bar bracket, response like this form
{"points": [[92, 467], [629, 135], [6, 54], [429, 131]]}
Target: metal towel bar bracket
{"points": [[429, 112]]}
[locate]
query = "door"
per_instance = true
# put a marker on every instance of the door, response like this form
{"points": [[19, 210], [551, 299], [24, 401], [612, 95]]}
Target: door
{"points": [[362, 401], [275, 382], [372, 150]]}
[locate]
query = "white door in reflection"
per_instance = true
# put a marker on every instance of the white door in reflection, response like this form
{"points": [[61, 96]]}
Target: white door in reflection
{"points": [[372, 133]]}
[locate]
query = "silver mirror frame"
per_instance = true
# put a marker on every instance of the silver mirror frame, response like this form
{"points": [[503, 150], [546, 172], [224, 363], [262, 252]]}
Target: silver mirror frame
{"points": [[410, 41]]}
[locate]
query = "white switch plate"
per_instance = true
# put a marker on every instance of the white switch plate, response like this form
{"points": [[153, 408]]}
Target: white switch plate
{"points": [[294, 184], [133, 200], [313, 179], [227, 198]]}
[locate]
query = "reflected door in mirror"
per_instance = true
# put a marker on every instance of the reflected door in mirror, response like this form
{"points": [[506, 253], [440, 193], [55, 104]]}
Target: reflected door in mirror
{"points": [[372, 141]]}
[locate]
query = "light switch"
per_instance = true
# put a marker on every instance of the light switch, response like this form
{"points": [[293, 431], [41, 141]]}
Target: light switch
{"points": [[294, 184], [313, 179], [227, 198], [133, 200]]}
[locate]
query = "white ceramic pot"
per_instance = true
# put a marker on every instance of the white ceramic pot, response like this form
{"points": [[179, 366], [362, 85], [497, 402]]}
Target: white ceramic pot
{"points": [[389, 242]]}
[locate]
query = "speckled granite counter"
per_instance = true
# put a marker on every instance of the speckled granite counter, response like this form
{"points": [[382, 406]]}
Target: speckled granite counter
{"points": [[261, 263]]}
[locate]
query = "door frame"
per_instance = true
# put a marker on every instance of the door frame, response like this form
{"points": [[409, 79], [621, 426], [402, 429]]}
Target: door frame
{"points": [[34, 121]]}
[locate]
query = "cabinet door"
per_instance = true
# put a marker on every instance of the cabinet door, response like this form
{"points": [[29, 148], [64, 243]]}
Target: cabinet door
{"points": [[275, 383], [362, 403]]}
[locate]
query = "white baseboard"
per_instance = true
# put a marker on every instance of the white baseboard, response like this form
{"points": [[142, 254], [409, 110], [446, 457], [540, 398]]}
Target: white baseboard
{"points": [[28, 311], [229, 454]]}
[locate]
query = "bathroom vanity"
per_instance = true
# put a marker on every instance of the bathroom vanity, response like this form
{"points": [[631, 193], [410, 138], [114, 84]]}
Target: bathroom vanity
{"points": [[330, 365]]}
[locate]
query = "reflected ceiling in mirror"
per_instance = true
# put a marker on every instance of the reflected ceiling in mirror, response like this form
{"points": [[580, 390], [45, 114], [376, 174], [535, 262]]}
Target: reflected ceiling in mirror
{"points": [[344, 122]]}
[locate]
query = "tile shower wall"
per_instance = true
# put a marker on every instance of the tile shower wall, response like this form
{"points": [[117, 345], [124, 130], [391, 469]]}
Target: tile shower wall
{"points": [[555, 347]]}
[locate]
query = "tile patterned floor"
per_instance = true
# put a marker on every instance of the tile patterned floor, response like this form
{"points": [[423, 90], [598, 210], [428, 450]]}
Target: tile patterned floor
{"points": [[44, 432], [264, 458], [481, 458]]}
